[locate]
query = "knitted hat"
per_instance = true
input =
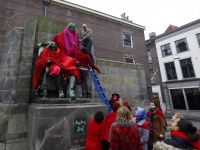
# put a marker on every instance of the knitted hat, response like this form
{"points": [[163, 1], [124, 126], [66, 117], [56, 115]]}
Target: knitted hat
{"points": [[115, 106], [115, 97], [141, 114]]}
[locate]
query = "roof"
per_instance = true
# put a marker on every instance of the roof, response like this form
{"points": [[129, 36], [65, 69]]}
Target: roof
{"points": [[96, 13], [171, 27], [196, 22]]}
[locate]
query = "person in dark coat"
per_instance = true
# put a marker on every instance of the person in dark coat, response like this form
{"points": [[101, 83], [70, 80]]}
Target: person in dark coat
{"points": [[183, 135], [93, 141]]}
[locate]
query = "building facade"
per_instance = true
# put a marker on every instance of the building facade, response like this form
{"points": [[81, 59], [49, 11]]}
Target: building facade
{"points": [[116, 39], [179, 59], [154, 70]]}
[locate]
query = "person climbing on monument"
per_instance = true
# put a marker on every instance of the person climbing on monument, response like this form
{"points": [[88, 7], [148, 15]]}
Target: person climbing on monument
{"points": [[64, 66], [87, 39], [65, 40], [84, 59]]}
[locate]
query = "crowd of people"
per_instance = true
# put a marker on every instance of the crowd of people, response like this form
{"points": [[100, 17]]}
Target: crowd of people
{"points": [[144, 130]]}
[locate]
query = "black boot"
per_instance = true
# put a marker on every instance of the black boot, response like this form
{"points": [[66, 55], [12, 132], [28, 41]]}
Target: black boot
{"points": [[88, 95]]}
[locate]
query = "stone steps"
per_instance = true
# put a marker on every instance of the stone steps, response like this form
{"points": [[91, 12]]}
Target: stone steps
{"points": [[168, 131]]}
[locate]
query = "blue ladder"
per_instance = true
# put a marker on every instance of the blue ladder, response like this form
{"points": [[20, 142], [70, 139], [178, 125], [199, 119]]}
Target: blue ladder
{"points": [[99, 88]]}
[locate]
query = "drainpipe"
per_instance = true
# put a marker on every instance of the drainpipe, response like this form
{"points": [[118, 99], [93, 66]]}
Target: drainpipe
{"points": [[46, 3]]}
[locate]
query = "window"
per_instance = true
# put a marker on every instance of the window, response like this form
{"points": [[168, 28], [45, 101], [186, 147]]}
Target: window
{"points": [[171, 71], [178, 99], [127, 38], [130, 60], [193, 98], [149, 56], [181, 45], [166, 50], [187, 68], [198, 38]]}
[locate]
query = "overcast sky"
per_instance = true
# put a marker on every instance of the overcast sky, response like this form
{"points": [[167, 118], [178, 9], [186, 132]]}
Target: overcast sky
{"points": [[155, 15]]}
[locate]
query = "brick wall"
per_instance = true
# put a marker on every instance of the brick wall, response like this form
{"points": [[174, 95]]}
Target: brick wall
{"points": [[107, 35]]}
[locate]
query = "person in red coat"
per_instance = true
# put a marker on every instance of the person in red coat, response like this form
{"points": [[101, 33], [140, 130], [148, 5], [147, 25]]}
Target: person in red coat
{"points": [[84, 59], [108, 121], [93, 141]]}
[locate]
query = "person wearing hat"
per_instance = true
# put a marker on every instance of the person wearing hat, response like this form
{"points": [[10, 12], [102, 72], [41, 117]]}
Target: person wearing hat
{"points": [[143, 126], [114, 98]]}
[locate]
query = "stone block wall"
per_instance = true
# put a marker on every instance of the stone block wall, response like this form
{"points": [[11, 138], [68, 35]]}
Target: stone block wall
{"points": [[126, 79]]}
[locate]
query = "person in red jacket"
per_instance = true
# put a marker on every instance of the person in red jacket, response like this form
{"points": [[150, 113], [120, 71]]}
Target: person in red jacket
{"points": [[93, 141], [108, 121], [84, 59], [124, 134]]}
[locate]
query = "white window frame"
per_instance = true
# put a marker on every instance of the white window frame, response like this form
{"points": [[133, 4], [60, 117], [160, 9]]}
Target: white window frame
{"points": [[131, 39], [129, 58], [149, 55]]}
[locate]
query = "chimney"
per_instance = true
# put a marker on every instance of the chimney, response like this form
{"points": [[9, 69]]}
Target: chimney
{"points": [[127, 19], [123, 16], [152, 34]]}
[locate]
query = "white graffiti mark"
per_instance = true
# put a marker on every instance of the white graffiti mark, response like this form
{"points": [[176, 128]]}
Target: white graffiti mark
{"points": [[81, 129], [79, 123]]}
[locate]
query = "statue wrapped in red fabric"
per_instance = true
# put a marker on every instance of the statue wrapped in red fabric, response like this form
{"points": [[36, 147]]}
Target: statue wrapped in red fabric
{"points": [[59, 66]]}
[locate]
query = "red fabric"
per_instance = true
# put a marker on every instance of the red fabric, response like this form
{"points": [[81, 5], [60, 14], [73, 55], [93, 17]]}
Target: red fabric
{"points": [[59, 40], [69, 39], [68, 64], [145, 125], [54, 69], [183, 135], [93, 141], [84, 59], [114, 98], [125, 138], [108, 121], [158, 112]]}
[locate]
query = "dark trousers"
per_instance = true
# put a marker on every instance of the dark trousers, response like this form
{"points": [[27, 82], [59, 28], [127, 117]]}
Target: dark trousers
{"points": [[84, 78], [88, 44], [106, 145]]}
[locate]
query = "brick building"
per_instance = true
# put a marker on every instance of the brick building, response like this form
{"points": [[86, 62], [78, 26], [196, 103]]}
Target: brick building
{"points": [[109, 33]]}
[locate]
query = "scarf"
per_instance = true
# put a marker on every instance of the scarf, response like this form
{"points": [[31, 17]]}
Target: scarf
{"points": [[69, 40], [156, 111], [183, 136]]}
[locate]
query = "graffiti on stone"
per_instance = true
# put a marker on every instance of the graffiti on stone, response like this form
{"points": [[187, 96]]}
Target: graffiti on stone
{"points": [[117, 80], [80, 126]]}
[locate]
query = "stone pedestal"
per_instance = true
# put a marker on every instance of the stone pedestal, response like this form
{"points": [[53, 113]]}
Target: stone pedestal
{"points": [[60, 126]]}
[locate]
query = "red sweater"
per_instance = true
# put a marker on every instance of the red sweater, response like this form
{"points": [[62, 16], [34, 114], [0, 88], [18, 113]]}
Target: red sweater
{"points": [[85, 59], [108, 121], [93, 141]]}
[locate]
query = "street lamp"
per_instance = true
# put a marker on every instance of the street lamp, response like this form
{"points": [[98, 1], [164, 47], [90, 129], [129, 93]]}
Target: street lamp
{"points": [[46, 3]]}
